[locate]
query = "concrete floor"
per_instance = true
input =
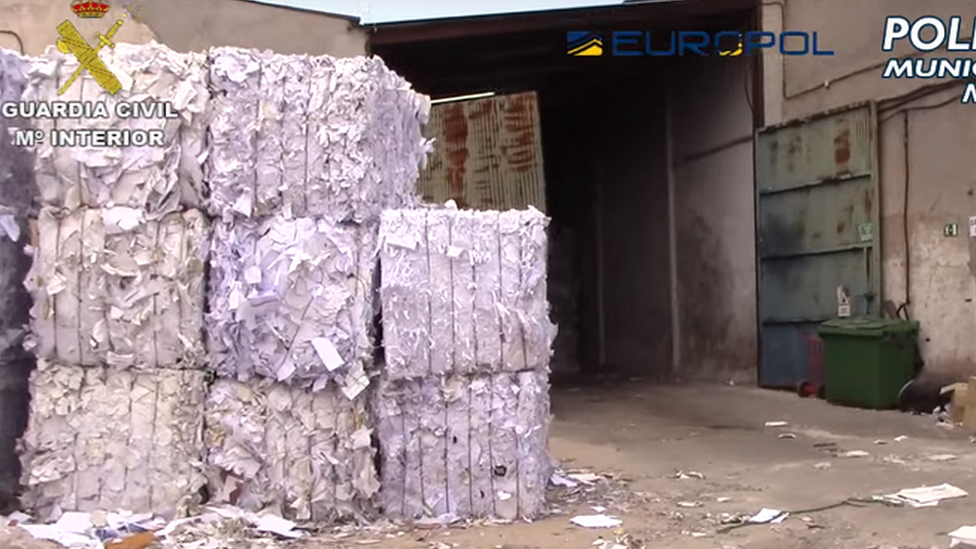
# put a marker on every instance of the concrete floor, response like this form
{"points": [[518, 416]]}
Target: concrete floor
{"points": [[644, 434]]}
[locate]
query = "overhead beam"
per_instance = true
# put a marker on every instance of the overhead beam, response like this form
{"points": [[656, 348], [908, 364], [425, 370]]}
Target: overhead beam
{"points": [[679, 12]]}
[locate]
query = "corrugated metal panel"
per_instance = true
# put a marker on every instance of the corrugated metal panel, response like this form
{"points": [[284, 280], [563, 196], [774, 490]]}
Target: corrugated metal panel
{"points": [[817, 209], [487, 154], [839, 145]]}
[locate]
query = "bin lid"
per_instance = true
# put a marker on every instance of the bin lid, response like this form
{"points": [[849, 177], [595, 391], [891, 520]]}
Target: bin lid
{"points": [[867, 327]]}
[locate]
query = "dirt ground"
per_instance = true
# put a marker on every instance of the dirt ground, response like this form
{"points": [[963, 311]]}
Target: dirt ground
{"points": [[643, 435]]}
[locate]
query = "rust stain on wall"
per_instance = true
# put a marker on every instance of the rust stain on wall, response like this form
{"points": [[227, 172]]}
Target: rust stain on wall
{"points": [[842, 151], [455, 140], [487, 154]]}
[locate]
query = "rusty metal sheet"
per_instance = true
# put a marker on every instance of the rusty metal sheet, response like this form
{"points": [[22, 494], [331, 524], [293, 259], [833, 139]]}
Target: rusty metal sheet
{"points": [[818, 222], [834, 146], [487, 154]]}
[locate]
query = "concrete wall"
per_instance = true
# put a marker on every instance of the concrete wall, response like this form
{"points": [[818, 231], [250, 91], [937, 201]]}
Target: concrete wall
{"points": [[714, 227], [940, 158], [189, 25]]}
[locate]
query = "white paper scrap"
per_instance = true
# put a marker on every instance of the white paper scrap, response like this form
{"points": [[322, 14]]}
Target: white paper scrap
{"points": [[776, 423], [559, 480], [768, 516], [963, 534], [585, 478], [328, 353], [926, 496], [596, 521], [277, 525], [50, 532]]}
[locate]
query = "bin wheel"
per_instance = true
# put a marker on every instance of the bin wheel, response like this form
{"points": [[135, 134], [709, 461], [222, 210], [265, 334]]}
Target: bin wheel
{"points": [[805, 389]]}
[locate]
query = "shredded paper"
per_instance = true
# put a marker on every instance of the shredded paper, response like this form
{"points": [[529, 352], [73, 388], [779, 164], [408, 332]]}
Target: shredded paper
{"points": [[157, 179], [308, 453], [312, 136], [291, 300], [102, 439], [464, 292], [472, 446], [112, 288]]}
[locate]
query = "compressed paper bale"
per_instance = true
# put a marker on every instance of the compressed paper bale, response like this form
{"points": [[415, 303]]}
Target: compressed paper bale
{"points": [[433, 440], [460, 485], [102, 439], [532, 428], [474, 446], [297, 82], [235, 77], [462, 292], [157, 179], [307, 453], [442, 305], [112, 288], [538, 331], [284, 290], [389, 412], [509, 298], [479, 443], [372, 131], [313, 137], [269, 146], [505, 445], [405, 293], [487, 289]]}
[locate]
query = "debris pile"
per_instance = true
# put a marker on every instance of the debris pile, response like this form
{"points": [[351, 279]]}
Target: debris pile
{"points": [[118, 286], [463, 407], [305, 153]]}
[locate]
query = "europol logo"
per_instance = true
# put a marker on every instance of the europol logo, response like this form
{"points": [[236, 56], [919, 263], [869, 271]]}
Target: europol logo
{"points": [[733, 51], [584, 44]]}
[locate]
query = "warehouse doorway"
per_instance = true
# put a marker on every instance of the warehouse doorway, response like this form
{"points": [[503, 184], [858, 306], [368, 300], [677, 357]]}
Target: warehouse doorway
{"points": [[651, 264]]}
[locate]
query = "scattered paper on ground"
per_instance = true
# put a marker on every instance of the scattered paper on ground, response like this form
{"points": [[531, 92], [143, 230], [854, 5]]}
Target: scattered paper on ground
{"points": [[585, 478], [926, 496], [776, 424], [596, 521], [690, 475], [855, 454], [943, 457]]}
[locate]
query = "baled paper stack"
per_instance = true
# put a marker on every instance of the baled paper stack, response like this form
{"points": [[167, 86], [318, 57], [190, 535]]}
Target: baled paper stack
{"points": [[158, 180], [305, 152], [463, 407], [118, 281], [336, 139], [106, 439]]}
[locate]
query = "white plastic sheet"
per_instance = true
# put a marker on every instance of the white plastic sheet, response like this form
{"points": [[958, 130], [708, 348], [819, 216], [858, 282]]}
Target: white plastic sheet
{"points": [[473, 446], [103, 439], [112, 288], [292, 300], [157, 179], [464, 292], [312, 136], [306, 452]]}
